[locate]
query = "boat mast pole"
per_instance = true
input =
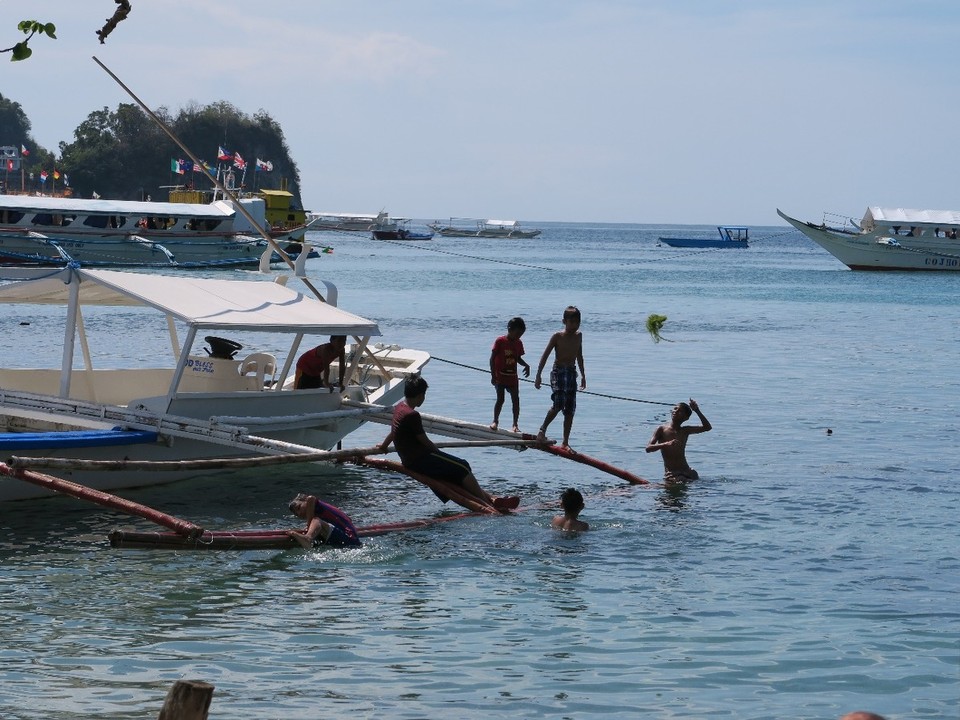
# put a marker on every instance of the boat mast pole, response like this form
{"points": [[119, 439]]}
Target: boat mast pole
{"points": [[216, 181]]}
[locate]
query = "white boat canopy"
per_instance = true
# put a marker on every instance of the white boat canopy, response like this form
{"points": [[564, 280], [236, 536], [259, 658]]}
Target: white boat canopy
{"points": [[904, 216], [62, 206], [502, 223], [202, 303]]}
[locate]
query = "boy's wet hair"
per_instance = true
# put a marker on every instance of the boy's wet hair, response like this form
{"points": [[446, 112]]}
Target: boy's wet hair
{"points": [[572, 313], [517, 323], [571, 500], [414, 386], [685, 408]]}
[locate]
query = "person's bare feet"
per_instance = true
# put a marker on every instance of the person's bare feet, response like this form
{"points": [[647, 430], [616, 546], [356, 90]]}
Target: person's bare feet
{"points": [[515, 428], [493, 425], [542, 437]]}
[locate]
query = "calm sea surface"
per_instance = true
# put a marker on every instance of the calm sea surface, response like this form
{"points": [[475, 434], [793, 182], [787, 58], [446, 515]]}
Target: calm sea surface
{"points": [[805, 575]]}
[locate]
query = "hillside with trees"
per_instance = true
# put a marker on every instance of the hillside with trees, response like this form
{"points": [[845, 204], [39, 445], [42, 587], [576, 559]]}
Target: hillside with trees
{"points": [[123, 154]]}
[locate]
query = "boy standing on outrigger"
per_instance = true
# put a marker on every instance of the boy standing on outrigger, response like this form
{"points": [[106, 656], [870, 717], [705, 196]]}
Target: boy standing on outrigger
{"points": [[506, 354], [568, 344]]}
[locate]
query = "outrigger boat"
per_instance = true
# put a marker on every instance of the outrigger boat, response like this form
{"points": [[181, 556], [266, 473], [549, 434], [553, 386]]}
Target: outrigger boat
{"points": [[345, 222], [485, 229], [52, 231], [201, 403]]}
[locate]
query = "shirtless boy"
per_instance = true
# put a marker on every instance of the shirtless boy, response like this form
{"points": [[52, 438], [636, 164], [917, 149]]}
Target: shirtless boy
{"points": [[671, 440], [568, 346], [572, 502]]}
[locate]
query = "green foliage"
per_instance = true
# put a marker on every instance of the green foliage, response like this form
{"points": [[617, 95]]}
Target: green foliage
{"points": [[123, 154], [21, 51], [655, 325]]}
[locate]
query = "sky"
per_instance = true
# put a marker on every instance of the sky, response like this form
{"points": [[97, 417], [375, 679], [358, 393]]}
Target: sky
{"points": [[637, 111]]}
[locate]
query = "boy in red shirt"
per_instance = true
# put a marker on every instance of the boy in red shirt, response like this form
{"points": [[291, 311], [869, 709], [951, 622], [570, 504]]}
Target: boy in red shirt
{"points": [[507, 353]]}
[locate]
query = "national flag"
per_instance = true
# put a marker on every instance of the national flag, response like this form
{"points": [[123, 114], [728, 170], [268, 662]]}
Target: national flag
{"points": [[328, 251], [96, 195], [43, 176], [186, 166], [9, 164], [23, 150], [224, 155], [266, 166], [56, 174], [175, 167], [66, 179], [238, 161]]}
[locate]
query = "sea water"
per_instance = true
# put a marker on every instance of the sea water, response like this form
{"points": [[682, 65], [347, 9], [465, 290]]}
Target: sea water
{"points": [[813, 569]]}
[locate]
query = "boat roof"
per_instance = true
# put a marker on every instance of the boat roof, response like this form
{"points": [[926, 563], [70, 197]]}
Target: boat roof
{"points": [[200, 302], [502, 223], [911, 217], [58, 205], [346, 216]]}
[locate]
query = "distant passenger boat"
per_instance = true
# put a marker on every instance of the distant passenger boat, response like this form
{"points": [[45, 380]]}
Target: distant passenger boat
{"points": [[485, 229], [345, 222], [45, 230], [731, 236], [891, 239]]}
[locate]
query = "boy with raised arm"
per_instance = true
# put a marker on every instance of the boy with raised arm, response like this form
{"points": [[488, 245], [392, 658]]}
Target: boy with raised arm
{"points": [[568, 346], [671, 440]]}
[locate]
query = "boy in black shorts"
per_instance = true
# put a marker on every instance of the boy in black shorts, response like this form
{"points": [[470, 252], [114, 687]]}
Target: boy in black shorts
{"points": [[418, 453]]}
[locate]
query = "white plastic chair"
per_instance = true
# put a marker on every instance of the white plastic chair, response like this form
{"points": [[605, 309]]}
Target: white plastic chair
{"points": [[263, 365]]}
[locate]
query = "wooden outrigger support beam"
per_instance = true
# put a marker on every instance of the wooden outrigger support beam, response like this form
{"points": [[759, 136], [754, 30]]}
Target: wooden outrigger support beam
{"points": [[66, 487], [18, 462], [476, 432]]}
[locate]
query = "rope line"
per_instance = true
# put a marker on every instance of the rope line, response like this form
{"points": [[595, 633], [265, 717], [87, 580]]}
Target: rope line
{"points": [[463, 255], [583, 392]]}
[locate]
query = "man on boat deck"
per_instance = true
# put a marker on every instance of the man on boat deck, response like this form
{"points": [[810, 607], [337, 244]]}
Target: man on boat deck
{"points": [[418, 453], [313, 367], [326, 524], [671, 440]]}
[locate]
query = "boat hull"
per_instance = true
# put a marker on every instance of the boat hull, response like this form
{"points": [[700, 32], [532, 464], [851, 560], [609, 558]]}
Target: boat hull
{"points": [[879, 250], [401, 235], [703, 243]]}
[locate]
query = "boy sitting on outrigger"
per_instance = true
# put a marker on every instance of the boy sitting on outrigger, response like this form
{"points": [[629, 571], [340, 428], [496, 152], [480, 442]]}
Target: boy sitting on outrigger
{"points": [[671, 440], [418, 453]]}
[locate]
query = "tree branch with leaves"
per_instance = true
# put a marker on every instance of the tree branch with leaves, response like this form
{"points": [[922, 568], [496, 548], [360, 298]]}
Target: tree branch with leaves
{"points": [[22, 50]]}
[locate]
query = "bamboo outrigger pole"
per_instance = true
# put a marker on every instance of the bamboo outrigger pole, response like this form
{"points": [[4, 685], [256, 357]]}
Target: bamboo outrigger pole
{"points": [[82, 492], [50, 463]]}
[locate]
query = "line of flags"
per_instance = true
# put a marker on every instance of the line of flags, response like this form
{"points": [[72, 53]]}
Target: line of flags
{"points": [[44, 175], [224, 155], [182, 167]]}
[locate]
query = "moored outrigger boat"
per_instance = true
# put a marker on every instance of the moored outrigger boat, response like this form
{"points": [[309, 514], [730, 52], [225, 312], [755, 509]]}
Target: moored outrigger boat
{"points": [[200, 404]]}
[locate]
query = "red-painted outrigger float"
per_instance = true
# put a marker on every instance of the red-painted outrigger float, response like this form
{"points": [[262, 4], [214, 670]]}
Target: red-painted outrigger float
{"points": [[182, 534]]}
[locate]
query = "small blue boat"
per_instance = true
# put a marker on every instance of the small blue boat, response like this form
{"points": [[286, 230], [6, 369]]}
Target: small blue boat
{"points": [[731, 236]]}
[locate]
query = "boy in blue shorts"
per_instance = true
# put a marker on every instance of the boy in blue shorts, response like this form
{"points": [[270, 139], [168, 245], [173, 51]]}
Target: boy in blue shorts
{"points": [[418, 453], [568, 345]]}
